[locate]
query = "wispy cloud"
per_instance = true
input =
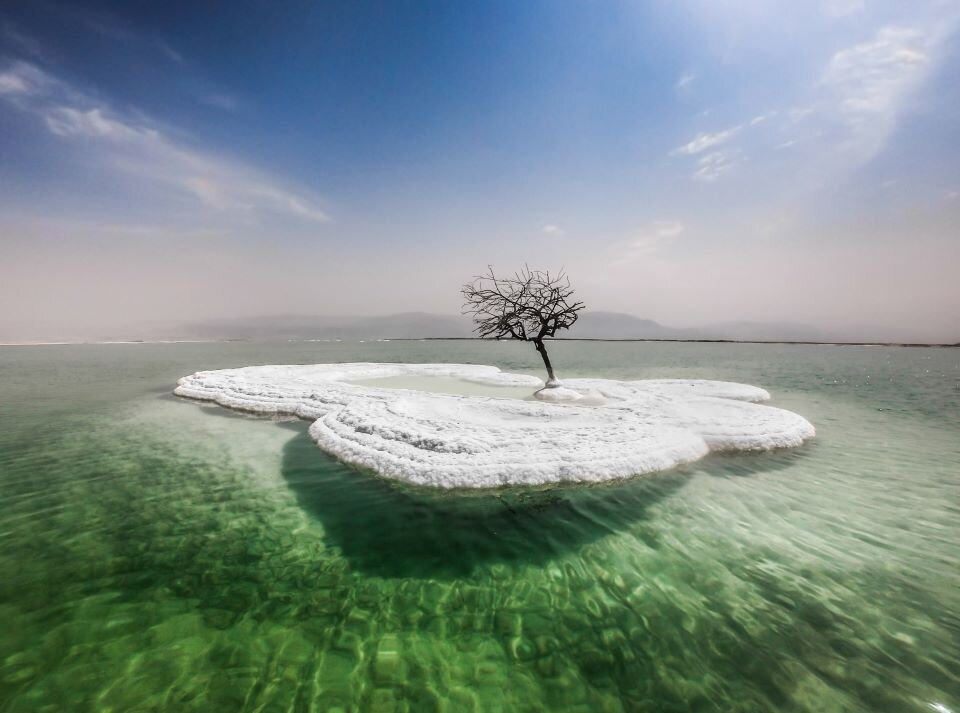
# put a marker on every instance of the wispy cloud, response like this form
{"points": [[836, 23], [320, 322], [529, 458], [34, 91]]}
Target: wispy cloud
{"points": [[221, 101], [132, 145], [685, 81], [19, 80], [11, 83], [170, 53], [870, 81], [23, 42], [721, 158], [714, 158], [108, 27], [649, 240], [551, 229], [713, 165], [70, 122], [863, 68], [703, 141]]}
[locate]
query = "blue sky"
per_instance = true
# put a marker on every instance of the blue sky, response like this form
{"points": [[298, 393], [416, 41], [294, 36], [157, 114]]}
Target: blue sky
{"points": [[692, 161]]}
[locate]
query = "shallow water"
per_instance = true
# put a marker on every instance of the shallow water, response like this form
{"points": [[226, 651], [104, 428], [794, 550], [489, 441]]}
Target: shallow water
{"points": [[161, 555], [448, 385]]}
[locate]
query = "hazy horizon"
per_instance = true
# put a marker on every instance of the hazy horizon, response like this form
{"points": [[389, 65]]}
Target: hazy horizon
{"points": [[593, 324], [691, 163]]}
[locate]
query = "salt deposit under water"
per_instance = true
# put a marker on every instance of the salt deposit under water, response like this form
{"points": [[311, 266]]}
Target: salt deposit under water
{"points": [[468, 441]]}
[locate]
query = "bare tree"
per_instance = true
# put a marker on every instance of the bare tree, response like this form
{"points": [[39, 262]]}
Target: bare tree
{"points": [[531, 306]]}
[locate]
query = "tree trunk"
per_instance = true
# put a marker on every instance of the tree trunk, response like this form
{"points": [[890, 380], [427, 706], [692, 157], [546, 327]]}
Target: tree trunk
{"points": [[546, 360]]}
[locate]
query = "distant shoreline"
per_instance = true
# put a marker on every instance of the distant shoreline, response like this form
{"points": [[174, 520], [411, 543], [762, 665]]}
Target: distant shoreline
{"points": [[373, 340], [698, 341], [119, 341]]}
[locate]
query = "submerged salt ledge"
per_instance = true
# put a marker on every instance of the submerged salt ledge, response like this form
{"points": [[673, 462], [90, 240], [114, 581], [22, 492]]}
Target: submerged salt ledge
{"points": [[449, 441]]}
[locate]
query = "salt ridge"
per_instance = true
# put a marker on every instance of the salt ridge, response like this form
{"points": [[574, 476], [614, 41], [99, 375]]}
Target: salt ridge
{"points": [[450, 441]]}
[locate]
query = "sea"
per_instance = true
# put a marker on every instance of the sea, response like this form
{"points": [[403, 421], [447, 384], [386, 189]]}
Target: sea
{"points": [[157, 554]]}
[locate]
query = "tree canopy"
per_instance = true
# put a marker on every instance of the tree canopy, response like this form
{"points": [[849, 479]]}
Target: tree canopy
{"points": [[530, 305]]}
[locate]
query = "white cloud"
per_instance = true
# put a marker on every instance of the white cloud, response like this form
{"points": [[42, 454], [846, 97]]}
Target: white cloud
{"points": [[685, 80], [721, 159], [853, 107], [703, 141], [287, 202], [132, 146], [109, 28], [170, 53], [862, 68], [69, 122], [870, 82], [12, 84], [713, 165], [21, 78], [668, 228], [551, 229], [112, 29], [221, 101], [25, 43], [649, 240]]}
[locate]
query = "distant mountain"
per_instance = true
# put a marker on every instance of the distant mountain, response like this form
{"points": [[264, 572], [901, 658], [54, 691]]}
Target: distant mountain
{"points": [[414, 325], [617, 325], [591, 325], [394, 326], [424, 325]]}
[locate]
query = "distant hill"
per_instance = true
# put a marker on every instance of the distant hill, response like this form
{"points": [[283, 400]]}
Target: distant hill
{"points": [[591, 325], [424, 325], [414, 325], [617, 325], [394, 326]]}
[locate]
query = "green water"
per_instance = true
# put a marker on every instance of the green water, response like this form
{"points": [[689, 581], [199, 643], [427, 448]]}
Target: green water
{"points": [[161, 555]]}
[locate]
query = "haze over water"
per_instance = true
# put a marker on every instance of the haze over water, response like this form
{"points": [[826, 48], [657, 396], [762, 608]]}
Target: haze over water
{"points": [[161, 555]]}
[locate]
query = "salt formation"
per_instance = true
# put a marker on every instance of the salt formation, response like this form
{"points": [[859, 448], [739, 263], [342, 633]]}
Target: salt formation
{"points": [[557, 393], [449, 441]]}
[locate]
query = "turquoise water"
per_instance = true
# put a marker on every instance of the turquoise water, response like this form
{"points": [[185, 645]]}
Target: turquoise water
{"points": [[161, 555]]}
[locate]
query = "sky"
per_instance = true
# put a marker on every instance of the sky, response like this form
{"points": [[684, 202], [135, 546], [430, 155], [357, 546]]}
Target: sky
{"points": [[688, 161]]}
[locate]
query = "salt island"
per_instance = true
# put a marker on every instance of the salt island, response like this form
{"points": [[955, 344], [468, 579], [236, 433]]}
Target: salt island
{"points": [[601, 430]]}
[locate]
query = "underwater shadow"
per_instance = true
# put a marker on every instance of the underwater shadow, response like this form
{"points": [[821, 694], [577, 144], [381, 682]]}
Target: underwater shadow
{"points": [[387, 529]]}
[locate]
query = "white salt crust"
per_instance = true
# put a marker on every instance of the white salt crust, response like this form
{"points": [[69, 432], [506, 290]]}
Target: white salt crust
{"points": [[563, 394], [449, 441]]}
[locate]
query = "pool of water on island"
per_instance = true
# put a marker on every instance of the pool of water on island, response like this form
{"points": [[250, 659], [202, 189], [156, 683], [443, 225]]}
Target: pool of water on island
{"points": [[163, 555]]}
